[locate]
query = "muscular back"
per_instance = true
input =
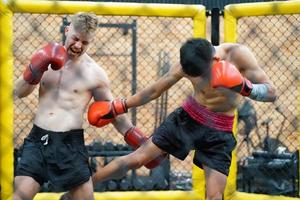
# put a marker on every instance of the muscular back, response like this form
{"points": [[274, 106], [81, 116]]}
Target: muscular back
{"points": [[64, 94]]}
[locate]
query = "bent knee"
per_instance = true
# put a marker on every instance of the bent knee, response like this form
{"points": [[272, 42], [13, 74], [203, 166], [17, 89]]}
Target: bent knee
{"points": [[134, 160]]}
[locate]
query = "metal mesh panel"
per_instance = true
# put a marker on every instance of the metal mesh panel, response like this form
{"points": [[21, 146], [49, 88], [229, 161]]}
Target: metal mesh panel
{"points": [[158, 41], [267, 133]]}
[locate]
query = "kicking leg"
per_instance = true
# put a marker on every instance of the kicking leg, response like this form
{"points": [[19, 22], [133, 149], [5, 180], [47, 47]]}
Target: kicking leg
{"points": [[118, 168]]}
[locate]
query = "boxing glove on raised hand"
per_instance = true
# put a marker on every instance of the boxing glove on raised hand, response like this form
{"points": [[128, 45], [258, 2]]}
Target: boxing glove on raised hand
{"points": [[134, 137], [53, 53], [225, 74], [101, 113]]}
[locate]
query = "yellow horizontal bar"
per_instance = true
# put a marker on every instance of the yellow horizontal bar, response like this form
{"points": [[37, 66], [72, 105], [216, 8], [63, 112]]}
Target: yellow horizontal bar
{"points": [[159, 195], [263, 8], [105, 8], [247, 196]]}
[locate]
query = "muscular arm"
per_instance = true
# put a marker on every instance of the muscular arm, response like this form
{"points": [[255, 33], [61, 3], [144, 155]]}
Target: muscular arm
{"points": [[156, 89], [22, 88], [103, 93], [246, 62], [52, 54]]}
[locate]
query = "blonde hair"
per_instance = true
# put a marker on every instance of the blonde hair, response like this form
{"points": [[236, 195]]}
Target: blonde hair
{"points": [[85, 22]]}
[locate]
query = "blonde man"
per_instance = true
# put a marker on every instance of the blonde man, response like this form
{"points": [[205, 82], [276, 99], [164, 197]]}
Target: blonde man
{"points": [[68, 79]]}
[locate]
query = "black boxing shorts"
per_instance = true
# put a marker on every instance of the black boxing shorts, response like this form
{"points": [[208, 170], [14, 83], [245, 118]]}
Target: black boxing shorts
{"points": [[181, 132], [60, 157]]}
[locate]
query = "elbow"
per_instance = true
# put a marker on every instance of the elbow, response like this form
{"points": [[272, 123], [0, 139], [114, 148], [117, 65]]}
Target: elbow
{"points": [[272, 94], [19, 95], [153, 94]]}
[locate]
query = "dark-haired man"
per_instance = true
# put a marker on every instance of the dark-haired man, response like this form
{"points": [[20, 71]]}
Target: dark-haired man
{"points": [[220, 76]]}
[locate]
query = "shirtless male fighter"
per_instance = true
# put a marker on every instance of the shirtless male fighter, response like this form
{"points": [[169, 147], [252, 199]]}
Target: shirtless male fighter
{"points": [[220, 76], [68, 79]]}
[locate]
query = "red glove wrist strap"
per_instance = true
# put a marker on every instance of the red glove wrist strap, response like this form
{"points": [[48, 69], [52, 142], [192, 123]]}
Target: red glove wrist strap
{"points": [[120, 106]]}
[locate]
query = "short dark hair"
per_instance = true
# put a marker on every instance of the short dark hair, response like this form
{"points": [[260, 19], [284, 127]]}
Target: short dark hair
{"points": [[196, 56]]}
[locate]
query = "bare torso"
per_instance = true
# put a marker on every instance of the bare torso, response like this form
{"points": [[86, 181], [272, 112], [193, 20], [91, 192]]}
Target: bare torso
{"points": [[65, 94], [217, 100]]}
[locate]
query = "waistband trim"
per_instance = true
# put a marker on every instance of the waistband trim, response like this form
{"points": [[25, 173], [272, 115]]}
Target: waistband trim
{"points": [[206, 117], [39, 134]]}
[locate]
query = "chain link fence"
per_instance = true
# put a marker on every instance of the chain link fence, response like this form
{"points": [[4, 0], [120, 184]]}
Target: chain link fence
{"points": [[267, 148], [134, 51]]}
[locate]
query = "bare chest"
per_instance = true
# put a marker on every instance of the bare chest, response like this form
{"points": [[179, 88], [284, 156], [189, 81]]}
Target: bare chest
{"points": [[67, 81], [220, 100]]}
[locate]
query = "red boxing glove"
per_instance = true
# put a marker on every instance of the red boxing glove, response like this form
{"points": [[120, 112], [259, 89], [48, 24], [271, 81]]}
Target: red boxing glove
{"points": [[225, 74], [101, 113], [53, 53], [134, 137]]}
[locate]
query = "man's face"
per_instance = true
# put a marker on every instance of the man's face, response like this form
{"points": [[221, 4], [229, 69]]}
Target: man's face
{"points": [[76, 42]]}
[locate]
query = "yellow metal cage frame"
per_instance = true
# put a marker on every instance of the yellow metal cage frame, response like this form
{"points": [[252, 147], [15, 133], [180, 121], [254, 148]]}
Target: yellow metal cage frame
{"points": [[231, 15], [7, 10], [197, 12]]}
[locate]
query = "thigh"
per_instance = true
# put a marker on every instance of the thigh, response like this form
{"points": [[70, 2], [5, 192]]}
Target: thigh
{"points": [[83, 191], [215, 150], [68, 166], [31, 163], [25, 187], [174, 135]]}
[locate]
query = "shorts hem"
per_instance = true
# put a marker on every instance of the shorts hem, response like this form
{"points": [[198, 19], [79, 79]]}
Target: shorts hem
{"points": [[200, 164], [77, 184], [31, 176], [171, 152]]}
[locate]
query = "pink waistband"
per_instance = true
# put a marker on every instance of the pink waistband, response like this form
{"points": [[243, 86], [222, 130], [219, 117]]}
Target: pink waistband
{"points": [[206, 117]]}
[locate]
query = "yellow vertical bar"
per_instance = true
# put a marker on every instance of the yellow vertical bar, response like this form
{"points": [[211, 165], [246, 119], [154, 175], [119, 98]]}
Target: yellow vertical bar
{"points": [[230, 35], [231, 181], [199, 182], [230, 26], [198, 174], [6, 102], [200, 23]]}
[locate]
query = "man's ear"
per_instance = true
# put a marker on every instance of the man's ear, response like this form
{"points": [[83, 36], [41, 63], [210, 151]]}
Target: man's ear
{"points": [[67, 28], [216, 58]]}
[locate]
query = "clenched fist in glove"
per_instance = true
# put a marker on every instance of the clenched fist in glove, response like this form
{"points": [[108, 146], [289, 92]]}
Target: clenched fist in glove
{"points": [[101, 113], [52, 54], [225, 74]]}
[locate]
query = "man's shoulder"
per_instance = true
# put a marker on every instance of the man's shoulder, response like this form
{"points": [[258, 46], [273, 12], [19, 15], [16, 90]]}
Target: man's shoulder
{"points": [[91, 64], [89, 61], [227, 46]]}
